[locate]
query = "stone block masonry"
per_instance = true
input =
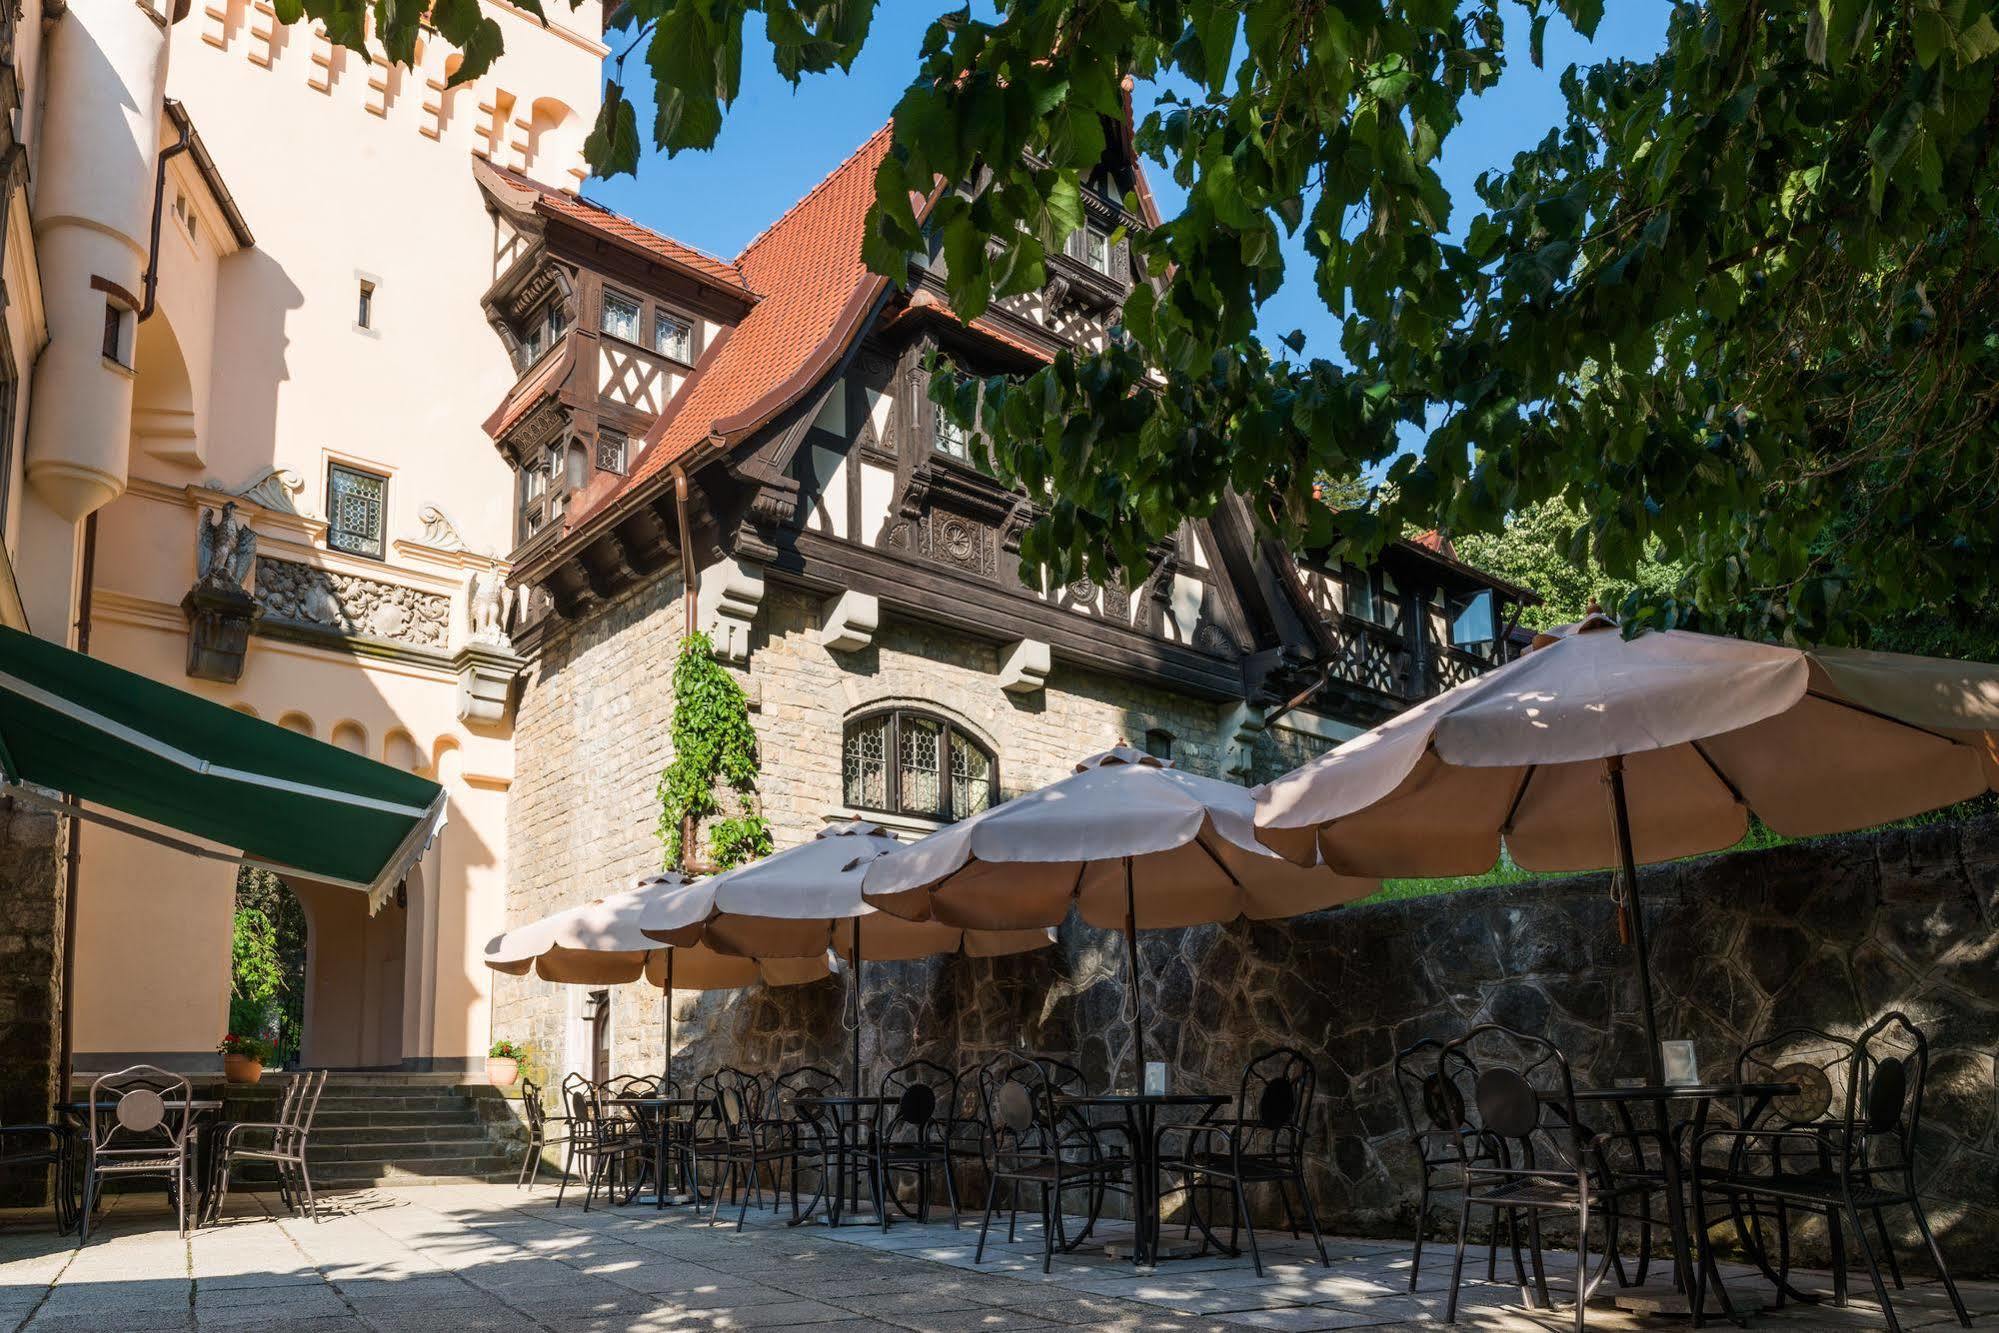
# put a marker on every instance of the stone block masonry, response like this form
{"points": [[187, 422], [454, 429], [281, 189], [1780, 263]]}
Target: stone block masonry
{"points": [[32, 846]]}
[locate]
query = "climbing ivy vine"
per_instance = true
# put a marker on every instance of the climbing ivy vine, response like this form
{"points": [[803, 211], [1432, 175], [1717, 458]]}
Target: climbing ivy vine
{"points": [[713, 743]]}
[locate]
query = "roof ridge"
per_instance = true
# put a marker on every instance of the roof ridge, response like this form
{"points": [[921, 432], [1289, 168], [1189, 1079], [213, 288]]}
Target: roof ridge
{"points": [[577, 196], [886, 127]]}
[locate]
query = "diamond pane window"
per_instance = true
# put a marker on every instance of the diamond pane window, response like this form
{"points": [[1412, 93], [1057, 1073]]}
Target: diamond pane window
{"points": [[611, 447], [621, 317], [866, 765], [672, 337], [354, 510], [937, 771]]}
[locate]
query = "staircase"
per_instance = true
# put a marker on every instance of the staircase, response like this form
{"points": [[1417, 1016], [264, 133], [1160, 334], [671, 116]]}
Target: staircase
{"points": [[397, 1129]]}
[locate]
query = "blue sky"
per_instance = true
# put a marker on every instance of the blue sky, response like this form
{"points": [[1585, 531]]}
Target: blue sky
{"points": [[777, 141]]}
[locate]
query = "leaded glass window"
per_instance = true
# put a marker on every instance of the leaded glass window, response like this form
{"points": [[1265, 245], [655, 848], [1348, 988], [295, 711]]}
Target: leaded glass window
{"points": [[621, 317], [951, 439], [355, 507], [910, 763], [672, 337], [611, 448]]}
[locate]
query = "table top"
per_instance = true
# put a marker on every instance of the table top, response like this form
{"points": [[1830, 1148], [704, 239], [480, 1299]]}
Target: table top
{"points": [[171, 1103], [1142, 1099], [845, 1099], [1679, 1092], [657, 1101]]}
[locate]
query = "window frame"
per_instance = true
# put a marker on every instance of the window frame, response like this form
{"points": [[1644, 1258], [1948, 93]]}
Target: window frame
{"points": [[661, 315], [335, 466], [948, 731], [608, 294]]}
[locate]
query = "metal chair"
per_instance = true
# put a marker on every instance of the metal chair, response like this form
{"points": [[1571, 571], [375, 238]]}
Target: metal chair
{"points": [[1541, 1165], [731, 1099], [778, 1137], [1263, 1143], [914, 1137], [1806, 1156], [290, 1133], [39, 1148], [1433, 1110], [539, 1123], [1028, 1141], [600, 1143], [139, 1121]]}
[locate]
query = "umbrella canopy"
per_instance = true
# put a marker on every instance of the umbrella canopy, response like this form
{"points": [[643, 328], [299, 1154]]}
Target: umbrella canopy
{"points": [[1596, 751], [804, 900], [1709, 730], [1135, 843], [1190, 843]]}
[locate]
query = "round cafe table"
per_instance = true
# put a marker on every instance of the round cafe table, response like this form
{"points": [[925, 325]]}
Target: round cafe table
{"points": [[1693, 1101], [841, 1116], [1140, 1114], [659, 1112]]}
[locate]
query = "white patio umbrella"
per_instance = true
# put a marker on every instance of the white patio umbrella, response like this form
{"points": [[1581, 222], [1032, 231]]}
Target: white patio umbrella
{"points": [[805, 901], [599, 943], [1134, 842], [1593, 751]]}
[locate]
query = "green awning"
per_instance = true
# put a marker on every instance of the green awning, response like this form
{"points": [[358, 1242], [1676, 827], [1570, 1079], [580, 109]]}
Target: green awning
{"points": [[98, 733]]}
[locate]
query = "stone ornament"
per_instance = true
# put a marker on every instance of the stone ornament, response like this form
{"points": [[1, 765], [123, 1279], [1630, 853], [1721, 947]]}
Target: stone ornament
{"points": [[225, 548], [486, 604], [274, 488], [439, 530], [351, 605]]}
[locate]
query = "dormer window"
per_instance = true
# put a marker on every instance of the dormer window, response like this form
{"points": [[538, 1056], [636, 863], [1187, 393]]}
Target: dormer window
{"points": [[672, 336], [541, 335], [620, 317]]}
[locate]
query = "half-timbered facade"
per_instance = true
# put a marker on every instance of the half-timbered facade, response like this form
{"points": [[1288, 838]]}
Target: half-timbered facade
{"points": [[852, 562]]}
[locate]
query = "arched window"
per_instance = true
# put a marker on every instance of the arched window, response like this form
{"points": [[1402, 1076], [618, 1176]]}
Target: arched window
{"points": [[903, 762]]}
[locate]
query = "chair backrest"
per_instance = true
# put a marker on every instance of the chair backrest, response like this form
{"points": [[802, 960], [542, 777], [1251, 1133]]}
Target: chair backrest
{"points": [[531, 1108], [795, 1083], [307, 1105], [925, 1093], [1277, 1091], [138, 1109], [1520, 1078], [1433, 1098], [1818, 1063], [736, 1097], [1891, 1063], [1017, 1104]]}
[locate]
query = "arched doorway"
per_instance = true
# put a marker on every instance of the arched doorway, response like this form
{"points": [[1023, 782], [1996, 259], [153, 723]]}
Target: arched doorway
{"points": [[267, 974]]}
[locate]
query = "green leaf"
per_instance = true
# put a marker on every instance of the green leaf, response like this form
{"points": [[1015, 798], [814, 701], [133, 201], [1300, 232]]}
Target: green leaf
{"points": [[612, 146]]}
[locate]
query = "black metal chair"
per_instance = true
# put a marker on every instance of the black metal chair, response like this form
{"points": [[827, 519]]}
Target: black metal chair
{"points": [[285, 1150], [914, 1135], [781, 1135], [602, 1144], [1541, 1165], [731, 1099], [1030, 1141], [1433, 1110], [1263, 1143], [1843, 1146], [139, 1122], [44, 1150], [540, 1138]]}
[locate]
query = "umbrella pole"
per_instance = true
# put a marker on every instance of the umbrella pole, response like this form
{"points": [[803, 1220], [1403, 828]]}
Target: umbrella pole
{"points": [[1621, 813], [666, 1021], [855, 1035], [1131, 977]]}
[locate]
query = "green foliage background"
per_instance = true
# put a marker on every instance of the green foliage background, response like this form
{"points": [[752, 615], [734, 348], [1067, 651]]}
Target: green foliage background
{"points": [[713, 742]]}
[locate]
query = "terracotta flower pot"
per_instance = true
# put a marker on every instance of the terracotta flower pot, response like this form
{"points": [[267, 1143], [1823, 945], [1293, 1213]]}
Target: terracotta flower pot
{"points": [[501, 1071], [242, 1068]]}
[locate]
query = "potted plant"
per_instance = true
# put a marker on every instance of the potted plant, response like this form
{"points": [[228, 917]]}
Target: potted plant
{"points": [[503, 1063], [243, 1057]]}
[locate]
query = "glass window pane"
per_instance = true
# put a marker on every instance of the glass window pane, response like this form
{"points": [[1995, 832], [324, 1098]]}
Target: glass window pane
{"points": [[354, 511], [672, 337], [610, 451], [621, 317], [919, 766], [971, 778], [1097, 250], [866, 764], [950, 440]]}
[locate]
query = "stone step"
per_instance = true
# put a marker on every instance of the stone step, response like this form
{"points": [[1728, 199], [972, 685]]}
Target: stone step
{"points": [[453, 1130], [386, 1119], [408, 1170], [457, 1105]]}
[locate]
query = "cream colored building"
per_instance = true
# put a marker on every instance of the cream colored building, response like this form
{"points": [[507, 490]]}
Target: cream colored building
{"points": [[243, 266]]}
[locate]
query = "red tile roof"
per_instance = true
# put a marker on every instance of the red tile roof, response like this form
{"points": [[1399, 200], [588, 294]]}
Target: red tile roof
{"points": [[618, 228]]}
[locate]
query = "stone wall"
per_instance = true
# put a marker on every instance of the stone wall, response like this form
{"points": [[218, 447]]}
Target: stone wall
{"points": [[32, 844]]}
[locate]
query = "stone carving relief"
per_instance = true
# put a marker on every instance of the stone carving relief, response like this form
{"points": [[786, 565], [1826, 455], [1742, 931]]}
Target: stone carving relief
{"points": [[274, 488], [225, 548], [351, 605], [439, 530]]}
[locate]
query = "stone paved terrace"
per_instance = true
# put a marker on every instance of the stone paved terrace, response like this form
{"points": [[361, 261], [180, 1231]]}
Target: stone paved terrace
{"points": [[455, 1259]]}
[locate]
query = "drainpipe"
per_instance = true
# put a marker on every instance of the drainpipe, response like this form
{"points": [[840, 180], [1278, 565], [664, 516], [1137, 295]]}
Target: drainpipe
{"points": [[152, 282], [689, 579], [73, 855]]}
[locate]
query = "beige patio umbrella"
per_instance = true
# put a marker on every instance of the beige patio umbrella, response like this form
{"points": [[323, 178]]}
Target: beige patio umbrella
{"points": [[1593, 751], [806, 901], [1134, 842], [599, 944]]}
